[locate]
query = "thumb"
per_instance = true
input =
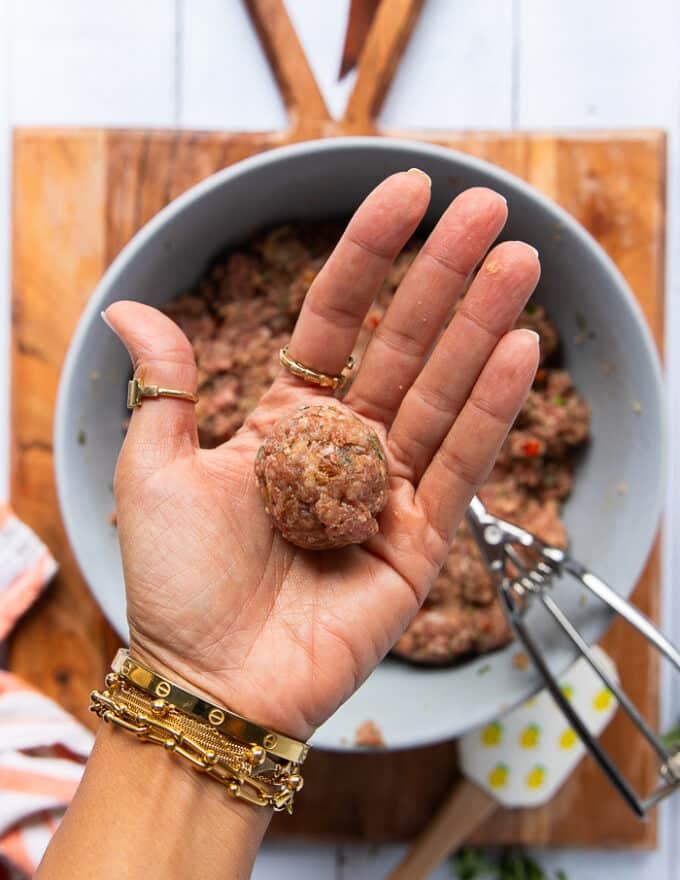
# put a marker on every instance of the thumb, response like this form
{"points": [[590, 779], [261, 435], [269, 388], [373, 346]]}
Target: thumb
{"points": [[161, 355]]}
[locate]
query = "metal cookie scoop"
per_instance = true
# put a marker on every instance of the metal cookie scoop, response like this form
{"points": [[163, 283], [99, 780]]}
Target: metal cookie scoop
{"points": [[523, 568]]}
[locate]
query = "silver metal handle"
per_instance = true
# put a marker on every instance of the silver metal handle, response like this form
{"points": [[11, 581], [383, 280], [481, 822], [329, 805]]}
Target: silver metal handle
{"points": [[591, 743], [624, 609], [497, 540]]}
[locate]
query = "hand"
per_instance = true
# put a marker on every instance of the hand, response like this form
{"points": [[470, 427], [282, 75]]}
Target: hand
{"points": [[216, 597]]}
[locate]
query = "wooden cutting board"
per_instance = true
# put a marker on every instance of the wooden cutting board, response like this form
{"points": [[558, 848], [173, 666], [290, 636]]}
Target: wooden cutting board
{"points": [[78, 198]]}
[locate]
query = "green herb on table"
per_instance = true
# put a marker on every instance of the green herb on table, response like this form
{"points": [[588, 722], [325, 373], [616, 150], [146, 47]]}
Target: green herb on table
{"points": [[671, 738], [517, 865], [469, 864], [513, 864], [82, 438]]}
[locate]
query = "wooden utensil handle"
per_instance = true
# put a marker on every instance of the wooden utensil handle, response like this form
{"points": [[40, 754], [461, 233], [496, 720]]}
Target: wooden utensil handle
{"points": [[463, 811], [287, 59], [380, 57], [307, 110]]}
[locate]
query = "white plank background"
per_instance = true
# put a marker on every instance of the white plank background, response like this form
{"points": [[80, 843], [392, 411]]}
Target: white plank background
{"points": [[488, 64]]}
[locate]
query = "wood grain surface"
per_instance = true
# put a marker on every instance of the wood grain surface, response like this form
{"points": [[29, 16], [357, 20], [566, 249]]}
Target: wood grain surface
{"points": [[80, 195]]}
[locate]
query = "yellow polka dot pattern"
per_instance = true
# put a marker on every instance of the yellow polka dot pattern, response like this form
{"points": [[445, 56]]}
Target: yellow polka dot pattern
{"points": [[492, 734], [523, 757], [536, 777], [498, 777]]}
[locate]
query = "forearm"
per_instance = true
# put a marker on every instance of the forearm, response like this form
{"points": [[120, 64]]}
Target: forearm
{"points": [[143, 814]]}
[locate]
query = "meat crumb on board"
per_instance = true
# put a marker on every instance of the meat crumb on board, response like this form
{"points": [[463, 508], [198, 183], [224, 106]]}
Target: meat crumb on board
{"points": [[369, 736], [520, 660]]}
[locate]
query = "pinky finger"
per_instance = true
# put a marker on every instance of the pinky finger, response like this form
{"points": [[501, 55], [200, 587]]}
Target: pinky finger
{"points": [[463, 461]]}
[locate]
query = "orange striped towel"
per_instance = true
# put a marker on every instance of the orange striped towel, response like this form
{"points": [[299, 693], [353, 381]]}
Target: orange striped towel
{"points": [[42, 754], [26, 566], [42, 748]]}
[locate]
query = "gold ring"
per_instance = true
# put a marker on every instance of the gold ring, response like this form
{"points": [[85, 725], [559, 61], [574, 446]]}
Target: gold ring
{"points": [[137, 391], [307, 374]]}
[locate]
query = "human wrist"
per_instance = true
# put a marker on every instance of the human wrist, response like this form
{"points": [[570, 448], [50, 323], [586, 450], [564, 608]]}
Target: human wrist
{"points": [[168, 819], [258, 705]]}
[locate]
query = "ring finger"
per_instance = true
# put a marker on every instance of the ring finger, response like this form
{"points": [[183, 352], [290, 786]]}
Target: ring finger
{"points": [[344, 289]]}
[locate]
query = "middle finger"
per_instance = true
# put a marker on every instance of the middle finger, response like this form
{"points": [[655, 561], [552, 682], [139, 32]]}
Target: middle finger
{"points": [[424, 300]]}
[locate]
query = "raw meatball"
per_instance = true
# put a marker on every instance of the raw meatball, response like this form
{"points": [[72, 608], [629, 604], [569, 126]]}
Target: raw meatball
{"points": [[323, 477]]}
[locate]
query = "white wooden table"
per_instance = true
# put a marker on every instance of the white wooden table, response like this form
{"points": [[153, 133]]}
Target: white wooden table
{"points": [[471, 64]]}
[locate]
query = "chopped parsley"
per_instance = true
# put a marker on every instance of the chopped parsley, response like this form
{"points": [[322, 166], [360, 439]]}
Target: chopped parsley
{"points": [[82, 438], [559, 400], [469, 864], [671, 738], [347, 457], [376, 447], [482, 670], [512, 864]]}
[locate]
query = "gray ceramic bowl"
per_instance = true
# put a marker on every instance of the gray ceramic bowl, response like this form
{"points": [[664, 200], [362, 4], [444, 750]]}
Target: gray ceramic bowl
{"points": [[611, 532]]}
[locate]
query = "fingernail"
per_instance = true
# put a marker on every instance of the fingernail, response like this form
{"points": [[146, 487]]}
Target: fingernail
{"points": [[532, 248], [108, 323], [537, 338], [418, 171]]}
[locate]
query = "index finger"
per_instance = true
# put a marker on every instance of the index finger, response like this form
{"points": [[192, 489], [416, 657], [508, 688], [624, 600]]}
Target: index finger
{"points": [[342, 292]]}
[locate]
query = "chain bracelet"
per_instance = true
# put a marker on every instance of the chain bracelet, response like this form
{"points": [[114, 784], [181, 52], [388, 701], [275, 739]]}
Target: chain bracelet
{"points": [[245, 770]]}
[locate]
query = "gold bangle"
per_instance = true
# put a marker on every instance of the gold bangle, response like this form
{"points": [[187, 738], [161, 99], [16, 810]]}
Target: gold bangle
{"points": [[307, 374], [244, 769], [221, 719]]}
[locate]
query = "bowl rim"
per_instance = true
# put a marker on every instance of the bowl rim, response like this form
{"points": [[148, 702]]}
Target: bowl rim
{"points": [[648, 527]]}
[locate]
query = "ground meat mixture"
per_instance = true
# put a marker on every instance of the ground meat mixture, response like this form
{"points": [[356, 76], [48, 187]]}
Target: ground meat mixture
{"points": [[323, 477], [243, 311]]}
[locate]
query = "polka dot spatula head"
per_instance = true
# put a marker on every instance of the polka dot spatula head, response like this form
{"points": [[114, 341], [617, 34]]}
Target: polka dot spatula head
{"points": [[518, 760]]}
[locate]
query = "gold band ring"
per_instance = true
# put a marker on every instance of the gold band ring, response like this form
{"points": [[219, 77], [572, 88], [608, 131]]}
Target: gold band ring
{"points": [[307, 374], [137, 391]]}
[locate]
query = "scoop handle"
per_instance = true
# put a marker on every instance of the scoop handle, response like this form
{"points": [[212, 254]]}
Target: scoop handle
{"points": [[465, 808]]}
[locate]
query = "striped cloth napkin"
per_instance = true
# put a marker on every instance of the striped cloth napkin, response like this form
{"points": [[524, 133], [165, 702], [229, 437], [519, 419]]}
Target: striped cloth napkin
{"points": [[42, 748]]}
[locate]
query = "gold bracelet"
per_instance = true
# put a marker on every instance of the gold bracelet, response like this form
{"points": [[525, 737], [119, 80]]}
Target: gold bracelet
{"points": [[245, 769], [141, 676]]}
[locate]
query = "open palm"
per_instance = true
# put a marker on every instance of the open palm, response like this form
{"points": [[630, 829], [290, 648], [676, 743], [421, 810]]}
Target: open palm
{"points": [[216, 597]]}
